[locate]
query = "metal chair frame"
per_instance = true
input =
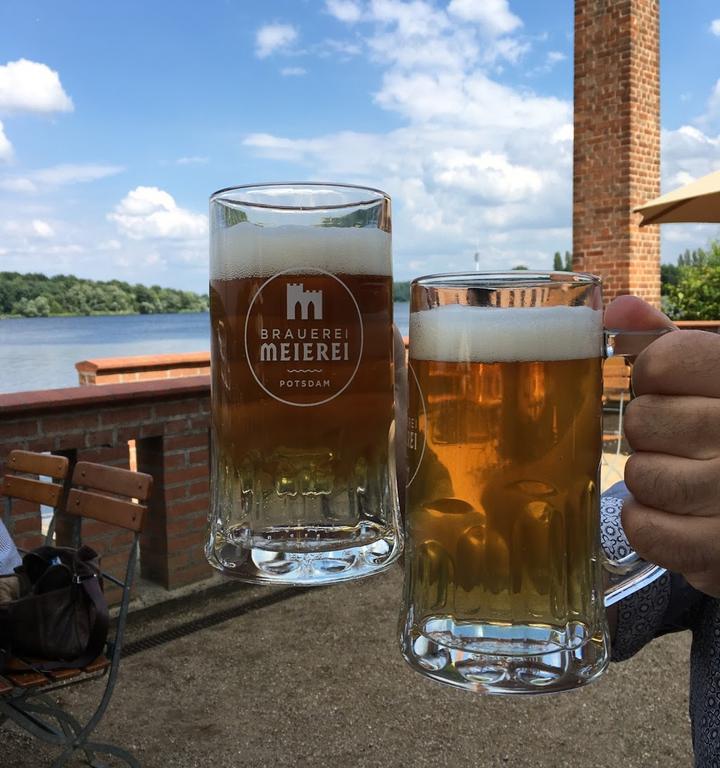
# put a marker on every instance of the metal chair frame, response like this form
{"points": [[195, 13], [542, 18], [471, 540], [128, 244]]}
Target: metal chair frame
{"points": [[32, 708]]}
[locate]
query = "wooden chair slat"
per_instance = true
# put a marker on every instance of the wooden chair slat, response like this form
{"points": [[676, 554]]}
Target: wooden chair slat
{"points": [[31, 490], [616, 378], [123, 482], [21, 674], [5, 686], [105, 509], [38, 464], [99, 665], [63, 674]]}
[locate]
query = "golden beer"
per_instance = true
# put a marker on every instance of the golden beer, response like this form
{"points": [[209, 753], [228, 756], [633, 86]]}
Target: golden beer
{"points": [[303, 487], [502, 507]]}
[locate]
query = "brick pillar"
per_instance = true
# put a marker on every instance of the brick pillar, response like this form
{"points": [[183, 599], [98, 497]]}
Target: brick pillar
{"points": [[617, 143], [172, 544]]}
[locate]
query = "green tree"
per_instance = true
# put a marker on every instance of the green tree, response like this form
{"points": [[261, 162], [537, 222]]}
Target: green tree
{"points": [[696, 293], [36, 295], [557, 262], [669, 274]]}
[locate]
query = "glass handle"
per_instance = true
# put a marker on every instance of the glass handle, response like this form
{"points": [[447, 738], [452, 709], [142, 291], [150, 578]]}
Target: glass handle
{"points": [[629, 573], [619, 343]]}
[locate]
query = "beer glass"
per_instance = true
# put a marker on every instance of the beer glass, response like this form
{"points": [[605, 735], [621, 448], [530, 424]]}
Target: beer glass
{"points": [[504, 571], [303, 487]]}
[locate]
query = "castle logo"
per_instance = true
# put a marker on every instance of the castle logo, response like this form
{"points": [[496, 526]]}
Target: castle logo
{"points": [[299, 299]]}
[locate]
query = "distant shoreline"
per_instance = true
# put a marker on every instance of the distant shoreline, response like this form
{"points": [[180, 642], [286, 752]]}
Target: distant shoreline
{"points": [[107, 314]]}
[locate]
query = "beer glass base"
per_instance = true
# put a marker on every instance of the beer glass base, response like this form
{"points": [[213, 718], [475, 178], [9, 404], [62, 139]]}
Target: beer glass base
{"points": [[264, 566], [502, 668]]}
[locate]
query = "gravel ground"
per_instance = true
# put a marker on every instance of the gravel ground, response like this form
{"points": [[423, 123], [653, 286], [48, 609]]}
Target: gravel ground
{"points": [[317, 680]]}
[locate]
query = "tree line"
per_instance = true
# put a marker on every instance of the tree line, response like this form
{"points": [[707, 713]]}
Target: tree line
{"points": [[37, 295], [690, 290]]}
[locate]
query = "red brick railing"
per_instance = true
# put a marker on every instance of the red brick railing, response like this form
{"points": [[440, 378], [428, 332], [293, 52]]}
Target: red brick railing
{"points": [[116, 370], [168, 420]]}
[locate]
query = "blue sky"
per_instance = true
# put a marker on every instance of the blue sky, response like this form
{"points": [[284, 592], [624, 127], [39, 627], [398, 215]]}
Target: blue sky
{"points": [[117, 120]]}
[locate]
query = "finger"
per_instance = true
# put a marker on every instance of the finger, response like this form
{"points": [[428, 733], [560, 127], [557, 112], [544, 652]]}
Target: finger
{"points": [[630, 313], [673, 484], [686, 363], [679, 426], [686, 545]]}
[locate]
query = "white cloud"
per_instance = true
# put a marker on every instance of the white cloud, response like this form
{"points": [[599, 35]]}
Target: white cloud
{"points": [[42, 228], [715, 27], [687, 154], [28, 86], [712, 113], [192, 160], [110, 245], [494, 15], [58, 176], [343, 47], [471, 99], [6, 150], [477, 164], [274, 37], [149, 212], [17, 184], [348, 11], [487, 177], [293, 71]]}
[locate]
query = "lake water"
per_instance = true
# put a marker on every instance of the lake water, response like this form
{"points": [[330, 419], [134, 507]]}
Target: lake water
{"points": [[40, 353]]}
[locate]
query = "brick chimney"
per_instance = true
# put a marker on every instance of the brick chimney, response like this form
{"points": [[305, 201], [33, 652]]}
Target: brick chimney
{"points": [[617, 143]]}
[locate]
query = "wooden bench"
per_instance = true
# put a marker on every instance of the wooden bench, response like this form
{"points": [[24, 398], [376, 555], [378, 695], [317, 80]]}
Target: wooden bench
{"points": [[99, 493]]}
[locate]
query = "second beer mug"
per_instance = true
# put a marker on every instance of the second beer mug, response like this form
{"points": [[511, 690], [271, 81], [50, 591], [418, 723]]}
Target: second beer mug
{"points": [[302, 466], [504, 571]]}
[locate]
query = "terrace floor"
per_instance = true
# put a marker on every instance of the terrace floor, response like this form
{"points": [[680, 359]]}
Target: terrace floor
{"points": [[235, 675]]}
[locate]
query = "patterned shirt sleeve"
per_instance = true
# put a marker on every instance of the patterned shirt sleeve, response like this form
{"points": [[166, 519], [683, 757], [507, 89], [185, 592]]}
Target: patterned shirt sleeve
{"points": [[9, 557], [669, 604]]}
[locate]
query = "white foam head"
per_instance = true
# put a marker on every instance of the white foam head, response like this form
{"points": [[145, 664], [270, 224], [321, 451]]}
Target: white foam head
{"points": [[455, 333], [246, 249]]}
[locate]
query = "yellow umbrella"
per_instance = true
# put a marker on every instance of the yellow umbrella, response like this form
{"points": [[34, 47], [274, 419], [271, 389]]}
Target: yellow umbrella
{"points": [[698, 201]]}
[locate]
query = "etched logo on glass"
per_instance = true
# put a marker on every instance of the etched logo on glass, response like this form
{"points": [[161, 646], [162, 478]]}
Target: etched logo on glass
{"points": [[303, 336]]}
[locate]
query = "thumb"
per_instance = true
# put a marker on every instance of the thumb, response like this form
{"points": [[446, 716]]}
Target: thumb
{"points": [[629, 313]]}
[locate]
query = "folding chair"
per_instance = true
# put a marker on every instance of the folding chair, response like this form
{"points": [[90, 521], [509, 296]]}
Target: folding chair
{"points": [[107, 495], [17, 485]]}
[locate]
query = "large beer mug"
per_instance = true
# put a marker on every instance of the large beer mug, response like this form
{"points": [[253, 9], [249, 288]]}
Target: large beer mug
{"points": [[303, 487], [504, 576]]}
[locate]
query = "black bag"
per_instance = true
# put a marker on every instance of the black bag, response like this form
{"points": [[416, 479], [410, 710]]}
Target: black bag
{"points": [[62, 615]]}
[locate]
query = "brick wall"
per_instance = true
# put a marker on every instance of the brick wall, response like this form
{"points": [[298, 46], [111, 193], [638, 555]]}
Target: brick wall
{"points": [[116, 370], [169, 421], [617, 143]]}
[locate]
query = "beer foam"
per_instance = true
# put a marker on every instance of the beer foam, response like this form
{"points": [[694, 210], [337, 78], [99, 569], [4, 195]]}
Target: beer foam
{"points": [[455, 333], [246, 249]]}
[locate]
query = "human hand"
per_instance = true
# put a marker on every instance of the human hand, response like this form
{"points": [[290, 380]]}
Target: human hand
{"points": [[673, 425]]}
